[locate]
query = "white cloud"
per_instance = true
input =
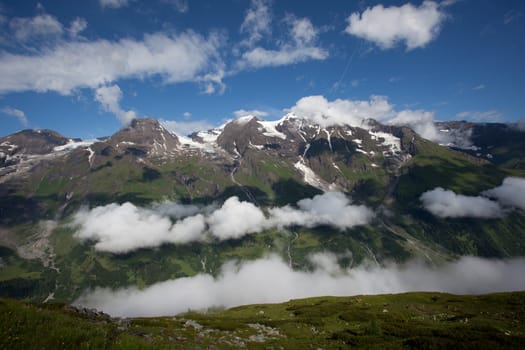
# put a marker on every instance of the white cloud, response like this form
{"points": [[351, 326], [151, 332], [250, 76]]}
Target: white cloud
{"points": [[300, 46], [14, 112], [115, 4], [330, 208], [71, 65], [447, 204], [303, 31], [423, 123], [213, 82], [271, 280], [43, 25], [243, 113], [342, 112], [479, 87], [511, 192], [260, 57], [257, 22], [479, 116], [123, 228], [109, 97], [236, 219], [107, 225], [388, 26], [185, 127], [77, 26]]}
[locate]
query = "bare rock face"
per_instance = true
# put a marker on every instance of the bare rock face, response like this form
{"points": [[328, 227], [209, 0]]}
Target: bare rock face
{"points": [[145, 137], [23, 150], [239, 134], [31, 142]]}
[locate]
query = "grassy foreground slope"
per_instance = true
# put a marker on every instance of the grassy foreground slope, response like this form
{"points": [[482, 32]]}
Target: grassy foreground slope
{"points": [[412, 320]]}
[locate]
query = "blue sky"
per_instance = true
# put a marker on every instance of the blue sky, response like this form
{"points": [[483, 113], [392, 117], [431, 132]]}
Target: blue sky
{"points": [[85, 68]]}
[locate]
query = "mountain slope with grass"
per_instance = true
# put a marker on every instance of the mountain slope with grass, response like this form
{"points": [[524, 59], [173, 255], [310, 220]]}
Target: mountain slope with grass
{"points": [[412, 320], [47, 179]]}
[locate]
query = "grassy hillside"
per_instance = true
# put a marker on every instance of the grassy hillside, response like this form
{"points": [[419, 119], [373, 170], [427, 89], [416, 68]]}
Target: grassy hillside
{"points": [[404, 321]]}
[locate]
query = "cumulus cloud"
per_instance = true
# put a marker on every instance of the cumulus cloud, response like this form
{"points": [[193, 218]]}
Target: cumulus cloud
{"points": [[115, 4], [342, 112], [330, 208], [423, 123], [14, 112], [511, 192], [39, 26], [271, 280], [236, 219], [447, 204], [72, 65], [109, 97], [389, 26], [122, 228], [242, 113], [185, 127]]}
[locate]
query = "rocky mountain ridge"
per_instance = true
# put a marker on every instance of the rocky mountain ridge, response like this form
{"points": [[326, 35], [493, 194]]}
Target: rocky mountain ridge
{"points": [[47, 179], [290, 138], [338, 157]]}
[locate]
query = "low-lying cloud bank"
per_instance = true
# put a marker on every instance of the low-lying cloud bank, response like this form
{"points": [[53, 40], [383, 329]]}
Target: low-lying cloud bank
{"points": [[447, 204], [271, 280], [120, 228]]}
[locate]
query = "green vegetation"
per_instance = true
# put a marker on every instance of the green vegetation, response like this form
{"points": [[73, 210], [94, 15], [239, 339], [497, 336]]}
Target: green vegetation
{"points": [[403, 321]]}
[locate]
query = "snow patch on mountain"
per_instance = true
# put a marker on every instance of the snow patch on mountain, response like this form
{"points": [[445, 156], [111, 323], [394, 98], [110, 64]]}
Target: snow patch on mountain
{"points": [[73, 144], [311, 178], [394, 143], [210, 136], [270, 129], [209, 147], [244, 120]]}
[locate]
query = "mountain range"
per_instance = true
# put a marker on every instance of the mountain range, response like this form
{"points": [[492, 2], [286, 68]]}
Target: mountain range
{"points": [[371, 193]]}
